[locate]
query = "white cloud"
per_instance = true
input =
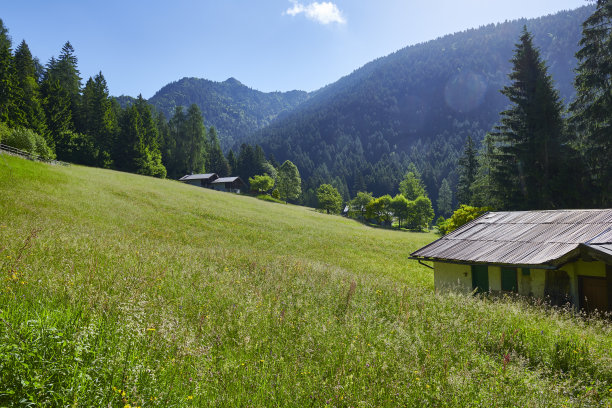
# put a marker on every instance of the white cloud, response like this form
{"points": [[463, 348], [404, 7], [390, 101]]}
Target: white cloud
{"points": [[324, 13]]}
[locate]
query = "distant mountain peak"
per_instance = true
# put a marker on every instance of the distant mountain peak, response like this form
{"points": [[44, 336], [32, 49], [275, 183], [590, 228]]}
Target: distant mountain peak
{"points": [[233, 81]]}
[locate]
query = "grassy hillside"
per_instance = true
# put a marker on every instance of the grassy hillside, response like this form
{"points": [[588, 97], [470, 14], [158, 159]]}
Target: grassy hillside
{"points": [[119, 289]]}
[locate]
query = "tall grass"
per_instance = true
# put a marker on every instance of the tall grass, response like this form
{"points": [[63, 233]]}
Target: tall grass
{"points": [[124, 290]]}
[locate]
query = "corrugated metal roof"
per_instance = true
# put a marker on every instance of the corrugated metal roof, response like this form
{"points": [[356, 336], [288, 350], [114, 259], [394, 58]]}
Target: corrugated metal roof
{"points": [[197, 176], [226, 180], [523, 237]]}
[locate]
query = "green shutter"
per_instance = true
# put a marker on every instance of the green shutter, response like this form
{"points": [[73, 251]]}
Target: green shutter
{"points": [[508, 280], [480, 278]]}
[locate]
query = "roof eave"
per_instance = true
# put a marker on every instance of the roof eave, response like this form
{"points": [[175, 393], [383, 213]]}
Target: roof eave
{"points": [[467, 262]]}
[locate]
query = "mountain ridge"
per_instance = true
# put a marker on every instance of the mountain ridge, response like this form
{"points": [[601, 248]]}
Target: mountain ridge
{"points": [[234, 109], [416, 105]]}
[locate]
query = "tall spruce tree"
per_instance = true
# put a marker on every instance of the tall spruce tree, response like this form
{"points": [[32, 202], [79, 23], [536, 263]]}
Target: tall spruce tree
{"points": [[64, 70], [232, 161], [445, 199], [56, 104], [527, 170], [129, 151], [97, 118], [185, 145], [468, 167], [593, 104], [217, 163], [33, 116], [152, 164], [195, 138], [481, 189], [9, 93]]}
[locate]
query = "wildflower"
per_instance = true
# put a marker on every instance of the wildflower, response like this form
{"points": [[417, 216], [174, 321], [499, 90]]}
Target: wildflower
{"points": [[127, 406], [190, 397], [151, 329]]}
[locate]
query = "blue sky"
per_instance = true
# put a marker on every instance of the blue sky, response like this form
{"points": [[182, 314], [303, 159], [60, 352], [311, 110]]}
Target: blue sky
{"points": [[266, 44]]}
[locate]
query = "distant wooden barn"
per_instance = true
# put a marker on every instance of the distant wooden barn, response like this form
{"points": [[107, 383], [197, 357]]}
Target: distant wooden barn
{"points": [[201, 180], [564, 255], [229, 184], [212, 180]]}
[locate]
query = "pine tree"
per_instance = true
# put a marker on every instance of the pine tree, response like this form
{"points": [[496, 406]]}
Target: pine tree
{"points": [[97, 118], [129, 151], [175, 145], [232, 162], [152, 164], [26, 80], [9, 92], [468, 167], [247, 164], [445, 199], [217, 163], [56, 105], [194, 140], [593, 104], [64, 70], [481, 189], [527, 169]]}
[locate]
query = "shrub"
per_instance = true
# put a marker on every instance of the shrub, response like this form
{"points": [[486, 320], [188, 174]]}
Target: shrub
{"points": [[266, 197], [463, 215], [28, 141], [4, 131]]}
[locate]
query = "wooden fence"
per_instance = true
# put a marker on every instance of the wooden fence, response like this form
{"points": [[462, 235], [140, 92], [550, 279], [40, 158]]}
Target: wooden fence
{"points": [[30, 156]]}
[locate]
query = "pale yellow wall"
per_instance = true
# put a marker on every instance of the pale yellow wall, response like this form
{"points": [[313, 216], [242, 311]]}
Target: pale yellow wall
{"points": [[457, 276], [494, 278], [452, 276], [537, 281], [524, 282]]}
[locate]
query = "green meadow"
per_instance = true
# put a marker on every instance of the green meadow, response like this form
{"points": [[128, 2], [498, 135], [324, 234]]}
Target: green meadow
{"points": [[122, 290]]}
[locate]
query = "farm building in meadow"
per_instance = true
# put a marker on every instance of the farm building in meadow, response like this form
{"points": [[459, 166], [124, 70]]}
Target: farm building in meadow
{"points": [[201, 180], [564, 255], [229, 184]]}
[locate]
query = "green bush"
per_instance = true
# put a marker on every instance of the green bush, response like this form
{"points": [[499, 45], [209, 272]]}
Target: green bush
{"points": [[266, 197], [28, 141], [4, 131], [463, 215]]}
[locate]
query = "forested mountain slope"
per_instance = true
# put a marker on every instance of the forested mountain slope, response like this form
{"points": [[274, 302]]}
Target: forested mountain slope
{"points": [[416, 105], [234, 109]]}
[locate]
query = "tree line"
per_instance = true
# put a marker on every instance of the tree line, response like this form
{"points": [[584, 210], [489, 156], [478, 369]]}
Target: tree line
{"points": [[415, 106], [47, 110], [410, 209], [540, 155]]}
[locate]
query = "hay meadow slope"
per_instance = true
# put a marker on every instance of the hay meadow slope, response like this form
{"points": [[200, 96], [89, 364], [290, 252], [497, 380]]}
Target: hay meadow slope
{"points": [[124, 290]]}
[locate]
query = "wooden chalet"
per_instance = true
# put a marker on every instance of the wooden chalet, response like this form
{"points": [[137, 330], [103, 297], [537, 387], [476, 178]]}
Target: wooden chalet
{"points": [[229, 184], [562, 255], [201, 180]]}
